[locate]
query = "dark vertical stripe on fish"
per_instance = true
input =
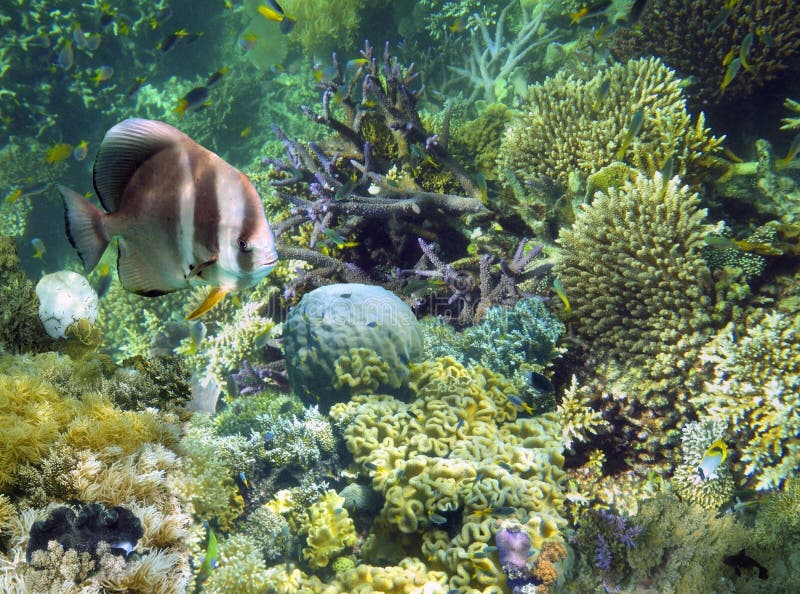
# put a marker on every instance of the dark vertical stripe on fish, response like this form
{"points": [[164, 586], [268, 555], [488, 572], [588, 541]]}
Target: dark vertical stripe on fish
{"points": [[206, 203]]}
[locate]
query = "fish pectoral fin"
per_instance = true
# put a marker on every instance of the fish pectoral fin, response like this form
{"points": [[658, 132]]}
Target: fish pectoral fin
{"points": [[214, 297], [198, 270]]}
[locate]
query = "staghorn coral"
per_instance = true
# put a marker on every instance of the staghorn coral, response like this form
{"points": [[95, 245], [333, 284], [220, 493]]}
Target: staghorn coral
{"points": [[329, 528], [578, 420], [640, 288], [452, 462], [495, 60], [754, 377], [709, 492], [571, 127], [678, 32]]}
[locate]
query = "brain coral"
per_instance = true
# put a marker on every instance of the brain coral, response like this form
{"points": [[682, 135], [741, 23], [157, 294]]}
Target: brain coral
{"points": [[678, 32], [322, 331], [639, 286], [755, 378], [453, 462], [573, 125]]}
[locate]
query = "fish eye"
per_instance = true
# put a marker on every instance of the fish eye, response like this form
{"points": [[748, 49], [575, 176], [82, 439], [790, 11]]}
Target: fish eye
{"points": [[244, 245]]}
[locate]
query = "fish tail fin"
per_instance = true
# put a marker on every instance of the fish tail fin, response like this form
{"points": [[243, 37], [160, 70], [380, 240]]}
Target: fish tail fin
{"points": [[84, 223]]}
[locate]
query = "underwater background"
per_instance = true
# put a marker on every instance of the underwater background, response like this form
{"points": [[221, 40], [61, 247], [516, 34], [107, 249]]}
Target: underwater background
{"points": [[533, 329]]}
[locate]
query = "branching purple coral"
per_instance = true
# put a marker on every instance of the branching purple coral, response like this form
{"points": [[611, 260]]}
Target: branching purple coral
{"points": [[602, 554], [494, 285], [338, 191]]}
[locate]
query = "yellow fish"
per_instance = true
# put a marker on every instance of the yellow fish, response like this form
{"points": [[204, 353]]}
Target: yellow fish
{"points": [[714, 456], [274, 12], [58, 153]]}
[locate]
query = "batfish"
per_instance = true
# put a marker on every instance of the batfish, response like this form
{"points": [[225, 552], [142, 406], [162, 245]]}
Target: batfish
{"points": [[182, 216]]}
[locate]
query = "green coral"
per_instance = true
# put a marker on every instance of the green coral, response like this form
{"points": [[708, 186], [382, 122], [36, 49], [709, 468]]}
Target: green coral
{"points": [[514, 341], [477, 142], [571, 126], [633, 268], [240, 568], [20, 328], [256, 413], [271, 531]]}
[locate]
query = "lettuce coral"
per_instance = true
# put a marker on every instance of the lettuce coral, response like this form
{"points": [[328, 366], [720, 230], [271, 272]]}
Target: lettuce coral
{"points": [[330, 530], [457, 457]]}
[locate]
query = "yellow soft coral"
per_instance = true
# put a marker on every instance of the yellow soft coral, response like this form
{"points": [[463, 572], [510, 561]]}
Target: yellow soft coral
{"points": [[330, 530]]}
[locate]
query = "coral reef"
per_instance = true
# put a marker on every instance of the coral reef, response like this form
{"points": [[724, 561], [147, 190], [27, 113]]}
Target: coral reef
{"points": [[452, 462], [323, 334], [574, 127], [754, 374], [682, 34]]}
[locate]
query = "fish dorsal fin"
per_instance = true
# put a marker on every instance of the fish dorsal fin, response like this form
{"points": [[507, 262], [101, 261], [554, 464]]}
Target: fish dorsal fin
{"points": [[126, 146]]}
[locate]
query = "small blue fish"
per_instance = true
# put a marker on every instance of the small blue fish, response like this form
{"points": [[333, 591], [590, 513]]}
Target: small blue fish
{"points": [[269, 436], [39, 248], [437, 519]]}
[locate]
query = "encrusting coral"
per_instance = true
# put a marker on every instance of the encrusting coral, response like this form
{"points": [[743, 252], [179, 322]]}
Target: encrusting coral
{"points": [[577, 127], [452, 462]]}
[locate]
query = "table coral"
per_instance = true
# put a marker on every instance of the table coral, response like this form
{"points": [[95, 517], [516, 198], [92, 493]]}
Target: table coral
{"points": [[573, 126], [753, 386], [455, 460]]}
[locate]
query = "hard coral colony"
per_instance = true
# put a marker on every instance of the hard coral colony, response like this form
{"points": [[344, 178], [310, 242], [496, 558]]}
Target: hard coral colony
{"points": [[524, 318]]}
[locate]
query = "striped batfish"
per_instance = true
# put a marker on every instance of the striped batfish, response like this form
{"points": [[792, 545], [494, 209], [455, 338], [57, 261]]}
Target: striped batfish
{"points": [[181, 215]]}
